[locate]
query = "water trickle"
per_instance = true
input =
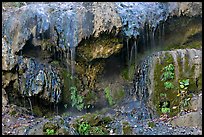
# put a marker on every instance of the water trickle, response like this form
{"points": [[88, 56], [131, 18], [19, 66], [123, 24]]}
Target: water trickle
{"points": [[153, 38], [163, 33], [31, 108], [67, 59], [135, 45], [72, 50], [133, 50], [147, 34]]}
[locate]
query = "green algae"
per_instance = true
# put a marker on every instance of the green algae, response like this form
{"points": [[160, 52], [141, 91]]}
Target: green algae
{"points": [[171, 94], [127, 129]]}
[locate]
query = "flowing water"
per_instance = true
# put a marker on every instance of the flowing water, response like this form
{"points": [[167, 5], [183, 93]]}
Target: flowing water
{"points": [[72, 50]]}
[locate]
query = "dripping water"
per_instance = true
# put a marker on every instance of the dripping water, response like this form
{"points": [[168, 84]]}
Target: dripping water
{"points": [[135, 45], [130, 60], [30, 106], [133, 49], [127, 49], [160, 35], [163, 33], [144, 37], [72, 50], [147, 32], [153, 41]]}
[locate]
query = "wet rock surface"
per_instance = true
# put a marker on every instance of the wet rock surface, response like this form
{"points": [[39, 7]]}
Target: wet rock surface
{"points": [[25, 124], [145, 73], [46, 68], [39, 79]]}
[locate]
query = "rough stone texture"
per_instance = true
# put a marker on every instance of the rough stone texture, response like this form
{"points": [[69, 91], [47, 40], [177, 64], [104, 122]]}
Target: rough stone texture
{"points": [[4, 98], [196, 102], [144, 80], [60, 27], [7, 77], [39, 79], [134, 15], [63, 24], [189, 8], [192, 119]]}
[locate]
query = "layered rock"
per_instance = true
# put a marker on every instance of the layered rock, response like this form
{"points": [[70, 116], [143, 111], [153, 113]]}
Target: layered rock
{"points": [[59, 27], [137, 15], [54, 27]]}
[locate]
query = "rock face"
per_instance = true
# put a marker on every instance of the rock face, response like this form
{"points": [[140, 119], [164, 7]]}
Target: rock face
{"points": [[4, 98], [61, 25], [136, 15], [58, 28], [193, 119], [39, 79], [196, 102], [54, 27], [148, 83]]}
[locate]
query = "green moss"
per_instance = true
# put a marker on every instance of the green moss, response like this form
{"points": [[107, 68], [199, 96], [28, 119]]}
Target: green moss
{"points": [[90, 97], [66, 76], [55, 63], [189, 34], [118, 95], [108, 96], [128, 73], [92, 119], [151, 124], [171, 94], [37, 111], [98, 131], [106, 120], [127, 129], [96, 122], [101, 47], [49, 126]]}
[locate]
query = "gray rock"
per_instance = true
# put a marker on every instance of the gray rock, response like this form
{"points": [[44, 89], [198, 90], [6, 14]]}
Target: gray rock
{"points": [[4, 98], [196, 102], [192, 119], [67, 22], [38, 79], [144, 80]]}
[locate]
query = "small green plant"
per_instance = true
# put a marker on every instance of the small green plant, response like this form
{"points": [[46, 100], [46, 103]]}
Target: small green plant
{"points": [[84, 128], [170, 67], [162, 94], [164, 108], [97, 131], [168, 85], [151, 124], [65, 105], [185, 102], [168, 72], [76, 99], [108, 96], [183, 93], [50, 131], [184, 84]]}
